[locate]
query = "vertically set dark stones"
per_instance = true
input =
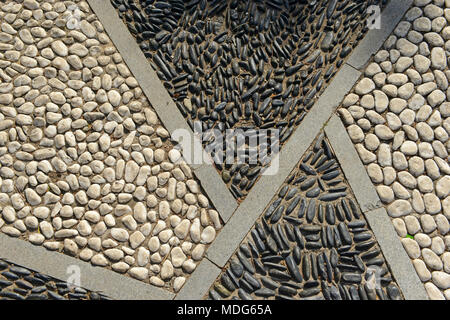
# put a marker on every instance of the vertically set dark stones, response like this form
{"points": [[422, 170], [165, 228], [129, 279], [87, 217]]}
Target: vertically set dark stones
{"points": [[312, 242], [19, 283], [252, 64]]}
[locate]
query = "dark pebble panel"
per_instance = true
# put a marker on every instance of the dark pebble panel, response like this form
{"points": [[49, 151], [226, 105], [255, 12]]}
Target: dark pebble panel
{"points": [[312, 242], [245, 63]]}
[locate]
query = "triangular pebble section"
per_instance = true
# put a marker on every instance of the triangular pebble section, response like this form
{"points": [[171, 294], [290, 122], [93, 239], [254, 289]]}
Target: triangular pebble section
{"points": [[20, 283], [86, 166], [244, 63], [312, 242]]}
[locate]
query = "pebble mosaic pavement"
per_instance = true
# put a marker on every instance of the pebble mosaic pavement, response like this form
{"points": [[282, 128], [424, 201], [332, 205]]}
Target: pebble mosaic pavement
{"points": [[398, 119], [267, 72], [87, 169]]}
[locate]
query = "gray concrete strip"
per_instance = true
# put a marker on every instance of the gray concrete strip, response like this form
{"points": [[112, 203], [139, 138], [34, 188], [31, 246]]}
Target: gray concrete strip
{"points": [[266, 187], [98, 279], [375, 38], [331, 98], [200, 281], [161, 101], [396, 257], [217, 191], [353, 168], [243, 219]]}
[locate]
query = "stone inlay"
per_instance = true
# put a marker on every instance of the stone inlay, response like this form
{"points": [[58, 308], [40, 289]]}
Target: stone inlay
{"points": [[245, 64], [86, 166], [19, 283], [398, 119], [312, 242]]}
